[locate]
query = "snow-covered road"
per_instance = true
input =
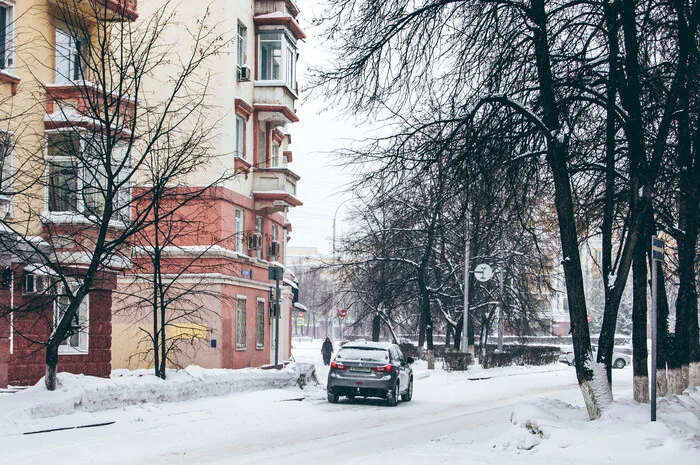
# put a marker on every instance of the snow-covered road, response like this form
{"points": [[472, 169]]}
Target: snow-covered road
{"points": [[453, 418]]}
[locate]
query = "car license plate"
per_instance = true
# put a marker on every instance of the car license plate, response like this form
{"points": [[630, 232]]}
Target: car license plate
{"points": [[360, 369]]}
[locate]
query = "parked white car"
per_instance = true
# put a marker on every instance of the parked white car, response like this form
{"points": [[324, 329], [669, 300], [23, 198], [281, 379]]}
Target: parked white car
{"points": [[620, 360]]}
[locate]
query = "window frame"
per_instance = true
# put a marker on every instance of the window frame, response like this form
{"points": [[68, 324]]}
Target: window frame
{"points": [[122, 199], [7, 169], [66, 347], [75, 61], [7, 40], [274, 155], [240, 137], [260, 323], [240, 229], [241, 44], [241, 328], [52, 159], [259, 222], [288, 58]]}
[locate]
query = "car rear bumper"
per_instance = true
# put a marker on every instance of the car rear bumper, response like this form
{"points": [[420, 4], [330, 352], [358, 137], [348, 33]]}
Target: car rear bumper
{"points": [[360, 386]]}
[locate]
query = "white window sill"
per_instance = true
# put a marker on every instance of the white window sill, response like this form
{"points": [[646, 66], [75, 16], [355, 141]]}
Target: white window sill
{"points": [[68, 350], [240, 349], [49, 217]]}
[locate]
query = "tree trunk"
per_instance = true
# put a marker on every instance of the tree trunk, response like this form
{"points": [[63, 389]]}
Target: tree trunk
{"points": [[458, 334], [51, 366], [376, 327], [639, 324]]}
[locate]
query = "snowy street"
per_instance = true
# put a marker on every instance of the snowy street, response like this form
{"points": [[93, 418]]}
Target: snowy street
{"points": [[510, 415]]}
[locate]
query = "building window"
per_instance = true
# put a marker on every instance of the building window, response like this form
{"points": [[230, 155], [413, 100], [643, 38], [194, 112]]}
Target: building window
{"points": [[6, 167], [260, 324], [241, 44], [69, 62], [240, 230], [259, 230], [262, 144], [7, 11], [277, 58], [240, 137], [275, 155], [274, 249], [76, 179], [78, 341], [240, 322]]}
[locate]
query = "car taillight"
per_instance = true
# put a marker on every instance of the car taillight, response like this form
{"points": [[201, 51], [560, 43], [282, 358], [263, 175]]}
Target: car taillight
{"points": [[337, 366], [384, 369]]}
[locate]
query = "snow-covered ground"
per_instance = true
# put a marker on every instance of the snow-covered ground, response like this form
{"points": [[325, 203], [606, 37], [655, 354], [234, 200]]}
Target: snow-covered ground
{"points": [[519, 415]]}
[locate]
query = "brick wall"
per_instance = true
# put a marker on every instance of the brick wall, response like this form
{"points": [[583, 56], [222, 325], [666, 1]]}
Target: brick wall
{"points": [[26, 365]]}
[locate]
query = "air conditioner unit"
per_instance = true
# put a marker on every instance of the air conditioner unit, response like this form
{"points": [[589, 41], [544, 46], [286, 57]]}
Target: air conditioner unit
{"points": [[243, 73], [274, 249], [255, 241], [34, 283]]}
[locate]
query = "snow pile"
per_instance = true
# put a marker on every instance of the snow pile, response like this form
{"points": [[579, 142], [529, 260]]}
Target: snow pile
{"points": [[91, 394], [550, 428]]}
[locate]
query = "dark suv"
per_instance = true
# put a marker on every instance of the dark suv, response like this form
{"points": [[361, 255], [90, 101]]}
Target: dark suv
{"points": [[371, 369]]}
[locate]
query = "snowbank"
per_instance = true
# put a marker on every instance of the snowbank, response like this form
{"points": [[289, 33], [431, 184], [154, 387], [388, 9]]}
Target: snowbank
{"points": [[546, 428], [91, 394]]}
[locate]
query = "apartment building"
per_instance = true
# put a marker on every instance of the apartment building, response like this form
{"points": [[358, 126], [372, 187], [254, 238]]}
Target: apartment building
{"points": [[73, 189], [49, 208], [243, 229]]}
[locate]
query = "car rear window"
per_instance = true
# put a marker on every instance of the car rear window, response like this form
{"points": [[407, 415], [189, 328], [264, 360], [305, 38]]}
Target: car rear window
{"points": [[369, 355]]}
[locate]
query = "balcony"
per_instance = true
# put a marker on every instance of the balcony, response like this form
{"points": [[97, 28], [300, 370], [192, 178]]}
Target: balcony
{"points": [[71, 104], [274, 189], [276, 114]]}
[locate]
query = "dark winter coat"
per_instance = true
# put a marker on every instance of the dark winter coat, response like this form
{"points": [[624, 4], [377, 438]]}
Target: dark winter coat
{"points": [[327, 348]]}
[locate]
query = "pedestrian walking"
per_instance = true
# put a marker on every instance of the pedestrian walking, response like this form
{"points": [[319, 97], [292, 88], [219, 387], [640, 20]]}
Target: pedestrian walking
{"points": [[327, 351]]}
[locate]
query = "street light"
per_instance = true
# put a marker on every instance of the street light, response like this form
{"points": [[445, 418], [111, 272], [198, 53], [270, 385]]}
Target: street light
{"points": [[333, 290]]}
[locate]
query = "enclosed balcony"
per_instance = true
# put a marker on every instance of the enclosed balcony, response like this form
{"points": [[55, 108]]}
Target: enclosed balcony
{"points": [[275, 189], [117, 10]]}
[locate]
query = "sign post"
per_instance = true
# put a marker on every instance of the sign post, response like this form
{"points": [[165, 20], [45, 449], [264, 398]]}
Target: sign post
{"points": [[657, 256]]}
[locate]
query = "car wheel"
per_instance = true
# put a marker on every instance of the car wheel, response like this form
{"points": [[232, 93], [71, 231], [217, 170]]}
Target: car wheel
{"points": [[619, 363], [393, 398], [333, 398], [408, 395]]}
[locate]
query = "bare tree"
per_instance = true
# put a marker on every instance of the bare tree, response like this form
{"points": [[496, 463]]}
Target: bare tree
{"points": [[104, 131]]}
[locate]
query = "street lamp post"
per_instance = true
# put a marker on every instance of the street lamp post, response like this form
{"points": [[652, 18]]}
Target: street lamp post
{"points": [[276, 273], [334, 302]]}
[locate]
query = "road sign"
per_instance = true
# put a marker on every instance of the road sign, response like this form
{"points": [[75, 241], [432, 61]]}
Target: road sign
{"points": [[300, 314], [657, 248], [342, 313], [483, 272], [301, 322]]}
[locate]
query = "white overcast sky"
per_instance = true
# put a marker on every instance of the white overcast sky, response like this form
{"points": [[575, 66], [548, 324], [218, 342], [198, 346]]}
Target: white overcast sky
{"points": [[317, 133]]}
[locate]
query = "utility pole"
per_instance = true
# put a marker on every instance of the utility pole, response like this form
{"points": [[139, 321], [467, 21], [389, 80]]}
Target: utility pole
{"points": [[657, 255], [500, 309], [276, 273], [465, 313]]}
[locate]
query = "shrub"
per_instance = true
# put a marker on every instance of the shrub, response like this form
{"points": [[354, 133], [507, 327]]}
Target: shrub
{"points": [[456, 361], [520, 355]]}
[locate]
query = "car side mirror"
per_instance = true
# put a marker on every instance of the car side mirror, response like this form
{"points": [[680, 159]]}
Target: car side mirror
{"points": [[409, 360]]}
